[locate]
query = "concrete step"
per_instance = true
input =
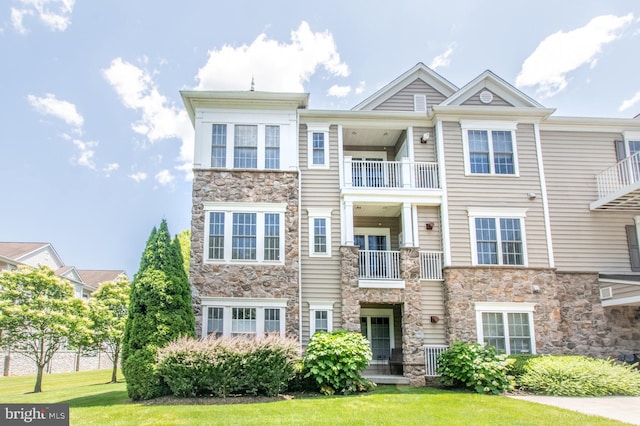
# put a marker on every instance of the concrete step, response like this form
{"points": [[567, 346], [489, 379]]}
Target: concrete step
{"points": [[380, 379]]}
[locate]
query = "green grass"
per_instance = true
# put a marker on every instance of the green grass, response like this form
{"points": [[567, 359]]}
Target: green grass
{"points": [[93, 402]]}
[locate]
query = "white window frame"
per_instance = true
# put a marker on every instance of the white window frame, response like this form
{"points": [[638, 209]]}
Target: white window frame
{"points": [[261, 142], [228, 303], [497, 214], [489, 126], [317, 307], [319, 214], [228, 209], [504, 309], [311, 129]]}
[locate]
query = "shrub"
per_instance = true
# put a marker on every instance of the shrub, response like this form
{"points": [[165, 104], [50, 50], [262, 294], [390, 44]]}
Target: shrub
{"points": [[518, 367], [143, 380], [225, 366], [475, 366], [579, 376], [335, 361]]}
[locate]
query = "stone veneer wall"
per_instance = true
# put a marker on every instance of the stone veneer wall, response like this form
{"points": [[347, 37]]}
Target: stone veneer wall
{"points": [[409, 297], [61, 362], [234, 280], [568, 316]]}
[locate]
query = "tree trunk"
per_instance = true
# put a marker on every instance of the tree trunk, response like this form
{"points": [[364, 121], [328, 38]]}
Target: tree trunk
{"points": [[114, 372], [38, 387], [7, 365]]}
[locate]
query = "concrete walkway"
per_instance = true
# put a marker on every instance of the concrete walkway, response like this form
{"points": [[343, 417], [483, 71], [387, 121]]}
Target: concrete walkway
{"points": [[623, 408]]}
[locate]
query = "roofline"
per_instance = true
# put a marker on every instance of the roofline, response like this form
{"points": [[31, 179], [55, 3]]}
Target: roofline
{"points": [[40, 248], [457, 112], [416, 68], [354, 118], [242, 99], [590, 124]]}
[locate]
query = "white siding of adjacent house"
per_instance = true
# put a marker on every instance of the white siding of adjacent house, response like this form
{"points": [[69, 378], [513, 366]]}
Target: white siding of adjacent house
{"points": [[496, 192], [583, 240], [320, 189], [403, 100]]}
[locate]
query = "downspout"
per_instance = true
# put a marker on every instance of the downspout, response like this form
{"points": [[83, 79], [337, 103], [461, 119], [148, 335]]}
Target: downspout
{"points": [[545, 198], [299, 230]]}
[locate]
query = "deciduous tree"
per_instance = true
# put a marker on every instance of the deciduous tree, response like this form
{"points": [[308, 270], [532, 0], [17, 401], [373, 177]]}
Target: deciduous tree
{"points": [[39, 314]]}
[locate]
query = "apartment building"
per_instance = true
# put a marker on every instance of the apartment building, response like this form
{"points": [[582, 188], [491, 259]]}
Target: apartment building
{"points": [[426, 214]]}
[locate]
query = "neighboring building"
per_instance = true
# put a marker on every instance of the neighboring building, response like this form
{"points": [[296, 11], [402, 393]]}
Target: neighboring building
{"points": [[426, 214]]}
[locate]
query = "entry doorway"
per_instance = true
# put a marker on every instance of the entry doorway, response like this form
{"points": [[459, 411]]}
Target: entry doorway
{"points": [[377, 326]]}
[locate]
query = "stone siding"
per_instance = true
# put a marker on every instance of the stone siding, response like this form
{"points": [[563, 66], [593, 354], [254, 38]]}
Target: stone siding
{"points": [[568, 316], [249, 281], [409, 298], [62, 362]]}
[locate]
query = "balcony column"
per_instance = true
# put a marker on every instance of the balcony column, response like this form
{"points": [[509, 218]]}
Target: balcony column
{"points": [[407, 225], [348, 223], [348, 173], [405, 166]]}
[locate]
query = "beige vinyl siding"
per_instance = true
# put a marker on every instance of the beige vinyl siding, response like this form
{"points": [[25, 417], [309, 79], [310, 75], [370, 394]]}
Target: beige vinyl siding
{"points": [[583, 240], [432, 300], [424, 152], [320, 189], [621, 291], [430, 240], [475, 100], [403, 100], [391, 223], [495, 192]]}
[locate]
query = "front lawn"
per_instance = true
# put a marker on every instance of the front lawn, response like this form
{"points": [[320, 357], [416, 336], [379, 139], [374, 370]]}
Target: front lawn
{"points": [[93, 402]]}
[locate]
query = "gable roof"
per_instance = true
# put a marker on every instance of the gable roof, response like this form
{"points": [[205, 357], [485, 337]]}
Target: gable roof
{"points": [[96, 277], [419, 71], [490, 81], [16, 251]]}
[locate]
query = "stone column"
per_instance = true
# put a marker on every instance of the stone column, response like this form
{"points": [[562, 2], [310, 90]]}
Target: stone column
{"points": [[350, 290]]}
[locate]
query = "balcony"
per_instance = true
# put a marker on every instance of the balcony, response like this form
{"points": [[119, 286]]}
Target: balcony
{"points": [[381, 268], [382, 175], [619, 186]]}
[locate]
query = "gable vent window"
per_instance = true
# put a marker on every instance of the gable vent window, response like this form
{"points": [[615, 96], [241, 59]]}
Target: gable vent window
{"points": [[420, 103], [486, 97]]}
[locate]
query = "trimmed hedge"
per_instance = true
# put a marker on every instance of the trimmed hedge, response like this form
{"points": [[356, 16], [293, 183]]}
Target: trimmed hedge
{"points": [[226, 366], [579, 376]]}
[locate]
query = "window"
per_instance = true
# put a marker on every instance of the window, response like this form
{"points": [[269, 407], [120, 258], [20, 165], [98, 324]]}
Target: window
{"points": [[272, 147], [244, 236], [507, 326], [497, 237], [215, 323], [319, 232], [318, 146], [245, 152], [219, 145], [320, 317], [228, 316], [239, 232], [489, 147]]}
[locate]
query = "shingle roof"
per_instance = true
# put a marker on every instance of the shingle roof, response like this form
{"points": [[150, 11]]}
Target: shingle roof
{"points": [[96, 277], [17, 250]]}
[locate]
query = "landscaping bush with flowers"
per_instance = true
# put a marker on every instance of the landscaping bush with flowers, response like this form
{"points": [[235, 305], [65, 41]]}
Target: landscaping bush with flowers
{"points": [[476, 366]]}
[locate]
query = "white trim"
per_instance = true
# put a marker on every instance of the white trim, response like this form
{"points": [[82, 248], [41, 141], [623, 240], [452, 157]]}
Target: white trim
{"points": [[379, 313], [497, 214], [245, 207], [420, 103], [545, 196], [622, 301], [630, 135], [319, 213], [317, 128], [444, 206], [381, 283], [228, 303], [505, 308], [489, 126], [320, 306]]}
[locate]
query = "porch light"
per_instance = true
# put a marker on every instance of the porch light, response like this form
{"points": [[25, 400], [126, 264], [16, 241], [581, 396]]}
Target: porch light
{"points": [[425, 137]]}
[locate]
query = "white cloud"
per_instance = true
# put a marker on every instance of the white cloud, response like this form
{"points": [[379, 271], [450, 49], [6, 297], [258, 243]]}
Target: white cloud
{"points": [[164, 177], [160, 118], [138, 176], [339, 91], [444, 59], [50, 105], [628, 103], [562, 52], [109, 168], [85, 154], [361, 87], [54, 14], [275, 66]]}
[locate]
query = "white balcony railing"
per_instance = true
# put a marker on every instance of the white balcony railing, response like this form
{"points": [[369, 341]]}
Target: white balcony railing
{"points": [[379, 265], [390, 174], [431, 354], [431, 265], [626, 172]]}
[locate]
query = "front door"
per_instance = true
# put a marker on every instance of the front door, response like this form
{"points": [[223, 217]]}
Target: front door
{"points": [[377, 326]]}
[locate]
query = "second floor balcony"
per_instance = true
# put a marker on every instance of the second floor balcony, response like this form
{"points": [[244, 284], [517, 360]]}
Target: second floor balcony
{"points": [[381, 268], [383, 175], [619, 186]]}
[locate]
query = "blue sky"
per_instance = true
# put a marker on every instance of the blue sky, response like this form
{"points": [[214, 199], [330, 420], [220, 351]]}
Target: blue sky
{"points": [[96, 144]]}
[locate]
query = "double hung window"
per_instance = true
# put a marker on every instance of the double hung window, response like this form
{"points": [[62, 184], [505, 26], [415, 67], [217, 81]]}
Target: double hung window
{"points": [[243, 317], [507, 326], [490, 148], [245, 153], [497, 237]]}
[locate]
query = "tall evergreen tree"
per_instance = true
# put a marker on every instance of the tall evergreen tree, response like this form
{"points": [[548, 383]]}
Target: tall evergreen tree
{"points": [[160, 311]]}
